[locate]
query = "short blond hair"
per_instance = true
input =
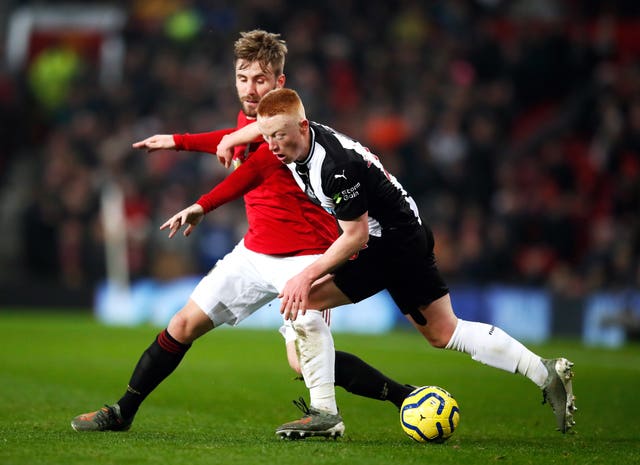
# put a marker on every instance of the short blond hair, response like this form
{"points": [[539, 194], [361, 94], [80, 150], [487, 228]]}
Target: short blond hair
{"points": [[281, 101], [264, 47]]}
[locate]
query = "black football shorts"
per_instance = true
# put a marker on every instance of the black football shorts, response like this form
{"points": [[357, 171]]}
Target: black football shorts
{"points": [[401, 261]]}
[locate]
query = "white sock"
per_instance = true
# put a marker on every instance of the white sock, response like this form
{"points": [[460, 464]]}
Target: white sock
{"points": [[492, 346], [323, 397], [316, 355]]}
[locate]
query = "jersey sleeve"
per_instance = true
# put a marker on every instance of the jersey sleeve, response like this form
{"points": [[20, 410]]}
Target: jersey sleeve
{"points": [[201, 142], [250, 174], [345, 184]]}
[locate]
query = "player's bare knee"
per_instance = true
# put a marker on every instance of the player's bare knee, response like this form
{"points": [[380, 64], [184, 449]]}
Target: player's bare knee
{"points": [[437, 324], [184, 328], [437, 337], [178, 327], [189, 323], [438, 341]]}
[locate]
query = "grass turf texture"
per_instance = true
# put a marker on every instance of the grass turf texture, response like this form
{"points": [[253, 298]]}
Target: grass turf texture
{"points": [[234, 387]]}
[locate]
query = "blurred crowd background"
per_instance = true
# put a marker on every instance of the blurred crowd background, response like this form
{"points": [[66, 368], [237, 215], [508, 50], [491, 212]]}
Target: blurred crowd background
{"points": [[514, 124]]}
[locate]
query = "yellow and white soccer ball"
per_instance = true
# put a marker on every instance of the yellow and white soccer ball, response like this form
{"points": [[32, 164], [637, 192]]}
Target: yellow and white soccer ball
{"points": [[429, 414]]}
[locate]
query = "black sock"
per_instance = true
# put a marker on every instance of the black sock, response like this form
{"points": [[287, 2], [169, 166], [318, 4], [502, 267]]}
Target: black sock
{"points": [[359, 378], [155, 364]]}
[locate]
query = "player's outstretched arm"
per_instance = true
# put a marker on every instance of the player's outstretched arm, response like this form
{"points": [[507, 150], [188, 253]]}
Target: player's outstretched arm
{"points": [[190, 216], [200, 142], [156, 142]]}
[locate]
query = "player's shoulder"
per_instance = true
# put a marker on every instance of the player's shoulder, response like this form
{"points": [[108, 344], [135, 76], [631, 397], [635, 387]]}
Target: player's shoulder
{"points": [[327, 140], [323, 134]]}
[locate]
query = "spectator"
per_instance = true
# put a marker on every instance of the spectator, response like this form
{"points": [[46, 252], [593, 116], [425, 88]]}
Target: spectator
{"points": [[520, 137]]}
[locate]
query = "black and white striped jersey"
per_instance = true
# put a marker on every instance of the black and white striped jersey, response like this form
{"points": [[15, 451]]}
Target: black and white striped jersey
{"points": [[345, 178]]}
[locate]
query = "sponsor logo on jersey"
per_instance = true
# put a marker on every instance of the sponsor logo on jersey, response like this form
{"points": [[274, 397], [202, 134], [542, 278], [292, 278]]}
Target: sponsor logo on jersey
{"points": [[350, 192], [336, 176]]}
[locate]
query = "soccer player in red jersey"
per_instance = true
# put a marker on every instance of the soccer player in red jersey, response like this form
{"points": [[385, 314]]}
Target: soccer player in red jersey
{"points": [[283, 237]]}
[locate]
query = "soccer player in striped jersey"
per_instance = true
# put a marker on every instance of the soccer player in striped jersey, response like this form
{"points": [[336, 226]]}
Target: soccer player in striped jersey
{"points": [[385, 245]]}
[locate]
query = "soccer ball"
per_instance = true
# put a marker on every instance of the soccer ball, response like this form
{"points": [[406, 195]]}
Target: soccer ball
{"points": [[429, 414]]}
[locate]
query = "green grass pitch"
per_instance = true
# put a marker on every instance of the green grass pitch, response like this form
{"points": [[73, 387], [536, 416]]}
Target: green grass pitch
{"points": [[234, 387]]}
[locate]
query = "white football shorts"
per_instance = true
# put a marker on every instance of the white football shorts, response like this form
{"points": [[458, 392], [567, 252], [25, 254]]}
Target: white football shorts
{"points": [[243, 281]]}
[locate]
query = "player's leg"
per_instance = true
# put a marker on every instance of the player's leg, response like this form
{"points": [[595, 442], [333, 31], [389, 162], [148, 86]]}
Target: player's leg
{"points": [[353, 374], [319, 374], [485, 343], [292, 357], [492, 346], [326, 294], [421, 293], [310, 348], [164, 355], [156, 363], [358, 377], [315, 351], [227, 295], [315, 354]]}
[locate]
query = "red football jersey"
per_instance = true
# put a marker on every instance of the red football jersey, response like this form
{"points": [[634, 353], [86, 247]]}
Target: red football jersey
{"points": [[282, 220]]}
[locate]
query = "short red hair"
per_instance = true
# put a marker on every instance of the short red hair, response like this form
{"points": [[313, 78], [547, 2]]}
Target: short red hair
{"points": [[281, 101]]}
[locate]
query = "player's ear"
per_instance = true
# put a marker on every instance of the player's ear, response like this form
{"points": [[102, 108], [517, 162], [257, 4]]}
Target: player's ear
{"points": [[304, 126], [280, 80]]}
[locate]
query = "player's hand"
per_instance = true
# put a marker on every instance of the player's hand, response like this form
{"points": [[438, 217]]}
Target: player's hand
{"points": [[157, 142], [295, 297], [190, 216], [224, 151]]}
